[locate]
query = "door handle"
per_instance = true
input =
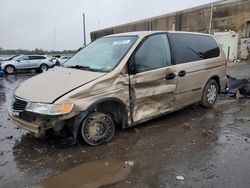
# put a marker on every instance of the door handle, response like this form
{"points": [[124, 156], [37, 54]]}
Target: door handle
{"points": [[182, 73], [170, 76]]}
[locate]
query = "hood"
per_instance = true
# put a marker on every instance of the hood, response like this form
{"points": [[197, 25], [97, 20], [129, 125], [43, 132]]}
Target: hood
{"points": [[47, 87], [7, 62]]}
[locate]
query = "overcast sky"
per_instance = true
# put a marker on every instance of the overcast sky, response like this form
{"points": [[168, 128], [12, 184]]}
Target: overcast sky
{"points": [[30, 24]]}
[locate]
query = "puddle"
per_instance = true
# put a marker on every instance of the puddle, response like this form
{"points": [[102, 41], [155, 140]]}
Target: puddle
{"points": [[89, 175]]}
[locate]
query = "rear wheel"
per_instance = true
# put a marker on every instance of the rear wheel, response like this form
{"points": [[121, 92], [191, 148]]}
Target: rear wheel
{"points": [[9, 69], [44, 68], [210, 94], [97, 128]]}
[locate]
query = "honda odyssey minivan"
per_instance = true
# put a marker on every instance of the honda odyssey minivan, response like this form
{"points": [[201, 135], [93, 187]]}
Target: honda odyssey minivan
{"points": [[119, 81]]}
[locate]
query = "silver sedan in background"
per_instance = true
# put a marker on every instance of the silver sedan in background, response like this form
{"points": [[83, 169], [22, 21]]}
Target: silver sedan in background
{"points": [[38, 62]]}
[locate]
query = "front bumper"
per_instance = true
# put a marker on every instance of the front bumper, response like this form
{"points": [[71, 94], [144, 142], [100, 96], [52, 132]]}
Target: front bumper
{"points": [[29, 126], [39, 124]]}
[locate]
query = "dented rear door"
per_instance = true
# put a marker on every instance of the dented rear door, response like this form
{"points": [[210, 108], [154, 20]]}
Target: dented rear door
{"points": [[153, 83]]}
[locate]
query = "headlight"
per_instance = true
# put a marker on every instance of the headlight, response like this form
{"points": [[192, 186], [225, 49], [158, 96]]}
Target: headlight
{"points": [[50, 109]]}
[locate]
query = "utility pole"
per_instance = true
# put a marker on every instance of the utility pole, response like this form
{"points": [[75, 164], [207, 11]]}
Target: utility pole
{"points": [[84, 30], [211, 19], [54, 40]]}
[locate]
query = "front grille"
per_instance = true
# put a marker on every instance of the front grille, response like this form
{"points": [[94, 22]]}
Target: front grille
{"points": [[19, 104]]}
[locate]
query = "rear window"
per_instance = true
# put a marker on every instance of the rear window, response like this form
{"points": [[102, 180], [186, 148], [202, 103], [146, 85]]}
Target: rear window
{"points": [[190, 47]]}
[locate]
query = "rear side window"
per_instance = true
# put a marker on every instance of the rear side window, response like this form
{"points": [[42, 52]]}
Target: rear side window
{"points": [[32, 58], [41, 57], [36, 57], [190, 47], [154, 53]]}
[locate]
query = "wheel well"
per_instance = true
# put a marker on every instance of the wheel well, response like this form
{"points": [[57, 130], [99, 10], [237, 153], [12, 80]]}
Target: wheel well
{"points": [[9, 66], [115, 108], [217, 79]]}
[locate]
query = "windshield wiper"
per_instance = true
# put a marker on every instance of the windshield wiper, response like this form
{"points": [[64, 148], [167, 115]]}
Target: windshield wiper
{"points": [[85, 68]]}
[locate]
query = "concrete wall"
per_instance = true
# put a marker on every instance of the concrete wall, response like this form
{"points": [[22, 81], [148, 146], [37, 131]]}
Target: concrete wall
{"points": [[245, 48], [227, 15], [232, 17]]}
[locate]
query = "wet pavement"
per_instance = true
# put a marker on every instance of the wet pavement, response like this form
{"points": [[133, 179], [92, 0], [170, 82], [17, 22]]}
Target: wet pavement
{"points": [[205, 147]]}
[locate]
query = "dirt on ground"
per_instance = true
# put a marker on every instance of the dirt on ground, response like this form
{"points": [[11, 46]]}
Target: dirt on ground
{"points": [[193, 147]]}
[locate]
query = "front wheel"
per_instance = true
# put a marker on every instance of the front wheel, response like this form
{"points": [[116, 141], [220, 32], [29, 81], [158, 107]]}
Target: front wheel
{"points": [[210, 94], [9, 69], [44, 68], [97, 128]]}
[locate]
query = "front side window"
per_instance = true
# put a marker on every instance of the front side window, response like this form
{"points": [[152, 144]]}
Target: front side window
{"points": [[154, 53], [103, 55], [23, 58], [190, 47]]}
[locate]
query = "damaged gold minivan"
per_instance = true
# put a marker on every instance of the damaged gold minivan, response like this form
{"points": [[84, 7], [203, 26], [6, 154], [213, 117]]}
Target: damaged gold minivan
{"points": [[119, 81]]}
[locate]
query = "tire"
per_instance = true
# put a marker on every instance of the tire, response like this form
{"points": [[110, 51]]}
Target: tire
{"points": [[9, 69], [44, 67], [210, 94], [97, 128]]}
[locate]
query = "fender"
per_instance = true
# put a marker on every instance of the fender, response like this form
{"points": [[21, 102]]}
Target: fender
{"points": [[217, 79], [124, 117], [77, 121], [75, 124], [107, 99]]}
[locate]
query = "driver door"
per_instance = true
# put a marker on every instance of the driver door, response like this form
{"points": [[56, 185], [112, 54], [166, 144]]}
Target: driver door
{"points": [[152, 79]]}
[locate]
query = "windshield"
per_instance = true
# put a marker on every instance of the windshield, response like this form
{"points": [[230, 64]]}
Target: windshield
{"points": [[14, 57], [102, 55]]}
